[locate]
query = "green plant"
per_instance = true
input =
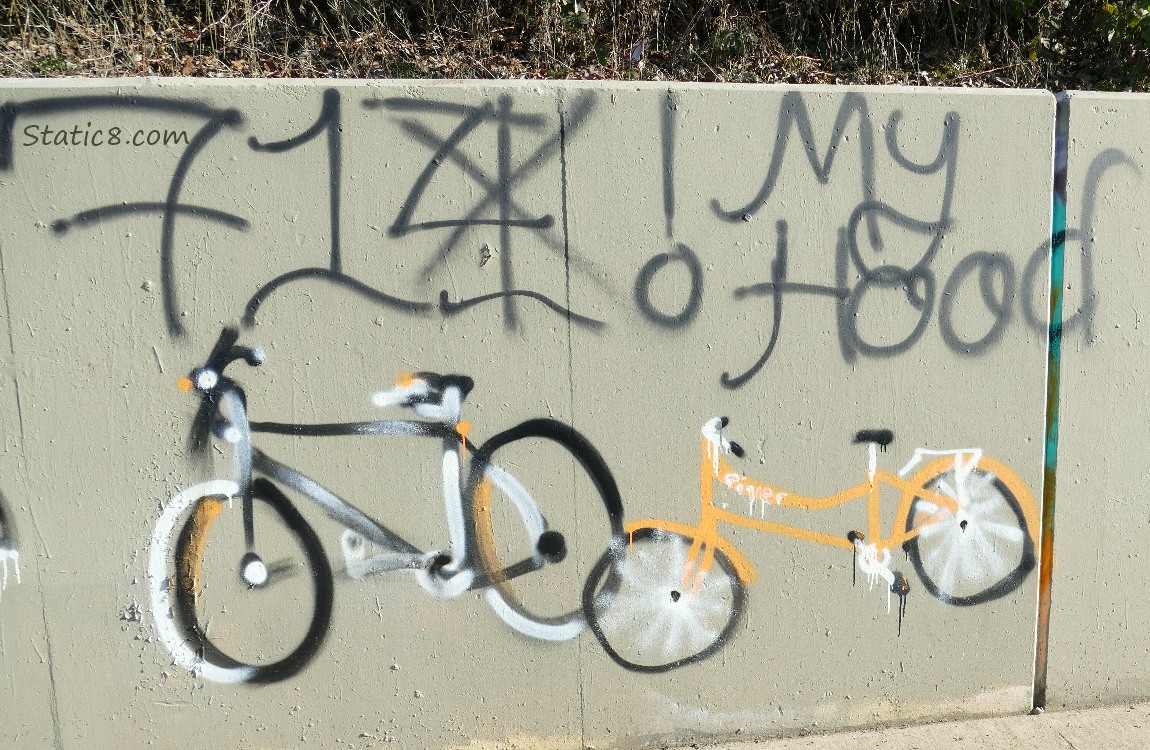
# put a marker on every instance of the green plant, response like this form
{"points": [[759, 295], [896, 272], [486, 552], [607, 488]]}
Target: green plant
{"points": [[1127, 21]]}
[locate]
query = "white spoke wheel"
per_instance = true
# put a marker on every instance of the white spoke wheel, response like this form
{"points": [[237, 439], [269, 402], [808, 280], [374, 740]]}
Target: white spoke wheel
{"points": [[650, 613], [980, 551]]}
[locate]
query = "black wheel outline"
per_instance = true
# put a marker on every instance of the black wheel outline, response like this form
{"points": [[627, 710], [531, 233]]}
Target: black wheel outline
{"points": [[184, 605], [1006, 585], [606, 566], [593, 464]]}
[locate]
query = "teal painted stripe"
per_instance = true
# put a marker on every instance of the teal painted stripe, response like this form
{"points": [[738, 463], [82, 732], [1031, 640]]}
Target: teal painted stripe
{"points": [[1053, 388], [1054, 335]]}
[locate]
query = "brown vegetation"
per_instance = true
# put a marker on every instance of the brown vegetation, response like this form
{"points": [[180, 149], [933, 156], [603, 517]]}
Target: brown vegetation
{"points": [[1057, 44]]}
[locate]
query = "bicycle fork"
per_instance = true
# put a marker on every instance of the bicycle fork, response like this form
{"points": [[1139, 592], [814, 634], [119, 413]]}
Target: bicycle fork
{"points": [[236, 430], [700, 558]]}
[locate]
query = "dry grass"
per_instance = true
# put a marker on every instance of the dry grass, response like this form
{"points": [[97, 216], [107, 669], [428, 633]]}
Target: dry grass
{"points": [[1026, 43]]}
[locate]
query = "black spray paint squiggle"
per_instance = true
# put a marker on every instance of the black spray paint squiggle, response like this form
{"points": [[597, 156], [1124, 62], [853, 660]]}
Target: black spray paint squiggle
{"points": [[329, 126], [9, 551], [497, 191], [169, 209], [681, 253], [861, 269], [916, 281]]}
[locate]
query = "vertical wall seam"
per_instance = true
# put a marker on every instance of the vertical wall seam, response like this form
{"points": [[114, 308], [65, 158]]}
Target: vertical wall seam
{"points": [[54, 701], [1053, 384], [570, 370], [12, 351]]}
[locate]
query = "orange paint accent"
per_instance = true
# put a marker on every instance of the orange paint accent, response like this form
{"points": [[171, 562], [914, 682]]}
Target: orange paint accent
{"points": [[405, 379], [485, 534], [782, 529], [705, 538], [184, 384], [744, 571], [191, 565], [463, 427], [874, 517]]}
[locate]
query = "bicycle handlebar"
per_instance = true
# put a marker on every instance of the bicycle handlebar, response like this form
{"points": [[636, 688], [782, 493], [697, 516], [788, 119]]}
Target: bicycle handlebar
{"points": [[208, 376], [227, 351], [712, 431]]}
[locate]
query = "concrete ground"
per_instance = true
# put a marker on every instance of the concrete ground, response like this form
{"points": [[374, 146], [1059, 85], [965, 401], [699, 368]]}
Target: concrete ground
{"points": [[1120, 727]]}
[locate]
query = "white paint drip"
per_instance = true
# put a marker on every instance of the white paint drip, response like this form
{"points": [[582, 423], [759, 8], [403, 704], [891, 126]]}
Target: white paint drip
{"points": [[876, 564], [716, 443], [159, 585]]}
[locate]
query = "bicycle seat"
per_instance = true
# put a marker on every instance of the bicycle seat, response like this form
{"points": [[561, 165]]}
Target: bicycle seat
{"points": [[439, 383], [882, 437], [423, 388]]}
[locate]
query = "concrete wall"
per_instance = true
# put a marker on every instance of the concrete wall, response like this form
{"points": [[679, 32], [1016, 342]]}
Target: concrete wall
{"points": [[613, 265], [1100, 613]]}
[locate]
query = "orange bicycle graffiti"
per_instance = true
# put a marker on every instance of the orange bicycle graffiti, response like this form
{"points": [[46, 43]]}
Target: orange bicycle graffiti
{"points": [[670, 594]]}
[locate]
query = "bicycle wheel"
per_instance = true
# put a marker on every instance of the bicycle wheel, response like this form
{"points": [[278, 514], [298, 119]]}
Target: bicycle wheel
{"points": [[534, 578], [234, 617], [978, 552], [644, 615]]}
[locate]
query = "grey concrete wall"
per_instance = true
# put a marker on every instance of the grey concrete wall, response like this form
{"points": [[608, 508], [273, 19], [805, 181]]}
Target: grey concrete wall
{"points": [[614, 265], [1098, 622]]}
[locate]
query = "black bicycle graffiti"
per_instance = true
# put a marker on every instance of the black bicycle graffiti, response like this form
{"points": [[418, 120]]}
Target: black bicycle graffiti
{"points": [[270, 544]]}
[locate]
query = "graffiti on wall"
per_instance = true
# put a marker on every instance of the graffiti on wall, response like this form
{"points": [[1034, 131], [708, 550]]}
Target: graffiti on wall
{"points": [[673, 593], [9, 553], [879, 248], [863, 253], [272, 547], [664, 594]]}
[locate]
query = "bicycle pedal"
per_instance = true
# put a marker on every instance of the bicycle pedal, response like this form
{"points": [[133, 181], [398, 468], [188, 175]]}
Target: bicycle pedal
{"points": [[438, 563]]}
